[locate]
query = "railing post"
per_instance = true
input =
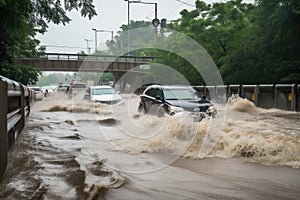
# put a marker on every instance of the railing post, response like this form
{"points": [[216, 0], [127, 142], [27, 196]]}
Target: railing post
{"points": [[297, 99], [22, 103], [294, 98], [3, 127]]}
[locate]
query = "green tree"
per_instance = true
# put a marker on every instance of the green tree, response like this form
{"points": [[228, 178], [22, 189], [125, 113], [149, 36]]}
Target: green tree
{"points": [[120, 45], [268, 50], [20, 20], [216, 27]]}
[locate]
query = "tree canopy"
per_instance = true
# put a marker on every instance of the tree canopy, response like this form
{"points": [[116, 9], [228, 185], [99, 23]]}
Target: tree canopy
{"points": [[250, 43], [21, 20]]}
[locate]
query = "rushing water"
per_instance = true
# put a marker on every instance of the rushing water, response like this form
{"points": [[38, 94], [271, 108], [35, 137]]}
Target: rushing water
{"points": [[72, 149]]}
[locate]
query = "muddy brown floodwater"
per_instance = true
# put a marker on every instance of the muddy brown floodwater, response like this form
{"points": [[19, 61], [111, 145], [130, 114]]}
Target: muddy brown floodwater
{"points": [[73, 149]]}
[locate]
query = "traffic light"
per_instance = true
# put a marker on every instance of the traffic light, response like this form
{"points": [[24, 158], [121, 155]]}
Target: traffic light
{"points": [[155, 22], [163, 23]]}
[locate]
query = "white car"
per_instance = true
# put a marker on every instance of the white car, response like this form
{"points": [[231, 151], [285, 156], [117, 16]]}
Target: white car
{"points": [[38, 93], [103, 94], [48, 90]]}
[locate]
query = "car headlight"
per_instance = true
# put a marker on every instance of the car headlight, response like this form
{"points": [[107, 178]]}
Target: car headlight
{"points": [[174, 109], [211, 109]]}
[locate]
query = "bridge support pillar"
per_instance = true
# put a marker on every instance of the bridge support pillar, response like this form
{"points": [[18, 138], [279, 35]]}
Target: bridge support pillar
{"points": [[127, 82]]}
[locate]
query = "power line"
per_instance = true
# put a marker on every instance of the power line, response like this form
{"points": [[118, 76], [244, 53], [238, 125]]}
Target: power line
{"points": [[186, 3]]}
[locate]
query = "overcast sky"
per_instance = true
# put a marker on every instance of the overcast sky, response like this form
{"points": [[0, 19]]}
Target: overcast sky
{"points": [[111, 15]]}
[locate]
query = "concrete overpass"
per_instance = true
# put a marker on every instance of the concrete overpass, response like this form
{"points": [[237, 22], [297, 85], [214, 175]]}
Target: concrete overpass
{"points": [[85, 63], [117, 65]]}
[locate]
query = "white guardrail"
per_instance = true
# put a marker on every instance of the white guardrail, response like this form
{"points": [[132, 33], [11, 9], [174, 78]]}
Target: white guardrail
{"points": [[16, 100]]}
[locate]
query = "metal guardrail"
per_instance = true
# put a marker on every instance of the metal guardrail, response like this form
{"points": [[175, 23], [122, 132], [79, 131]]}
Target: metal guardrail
{"points": [[81, 57], [16, 101], [281, 96]]}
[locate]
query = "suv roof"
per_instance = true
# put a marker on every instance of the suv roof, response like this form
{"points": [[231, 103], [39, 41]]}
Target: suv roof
{"points": [[75, 85], [171, 86], [100, 86]]}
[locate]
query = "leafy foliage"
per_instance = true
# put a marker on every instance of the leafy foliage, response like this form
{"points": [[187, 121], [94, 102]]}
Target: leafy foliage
{"points": [[250, 43], [20, 20]]}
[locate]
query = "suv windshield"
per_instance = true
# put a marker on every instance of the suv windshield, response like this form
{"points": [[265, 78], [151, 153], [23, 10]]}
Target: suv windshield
{"points": [[78, 86], [181, 94], [103, 91], [37, 89]]}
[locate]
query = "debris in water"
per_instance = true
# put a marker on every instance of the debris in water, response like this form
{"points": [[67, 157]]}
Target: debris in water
{"points": [[74, 137], [97, 190], [55, 108], [39, 193], [108, 122], [69, 122], [136, 116]]}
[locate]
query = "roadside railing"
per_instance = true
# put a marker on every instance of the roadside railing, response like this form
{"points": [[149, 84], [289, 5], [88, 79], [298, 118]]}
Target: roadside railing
{"points": [[87, 57], [281, 96], [16, 101]]}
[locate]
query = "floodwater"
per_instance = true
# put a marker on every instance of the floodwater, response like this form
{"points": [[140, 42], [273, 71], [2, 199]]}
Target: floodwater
{"points": [[73, 149]]}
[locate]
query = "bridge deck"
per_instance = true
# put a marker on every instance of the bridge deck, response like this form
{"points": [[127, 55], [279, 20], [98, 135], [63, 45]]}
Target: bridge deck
{"points": [[88, 63]]}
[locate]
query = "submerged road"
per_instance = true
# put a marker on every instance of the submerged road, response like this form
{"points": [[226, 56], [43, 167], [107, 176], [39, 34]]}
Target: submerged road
{"points": [[69, 147]]}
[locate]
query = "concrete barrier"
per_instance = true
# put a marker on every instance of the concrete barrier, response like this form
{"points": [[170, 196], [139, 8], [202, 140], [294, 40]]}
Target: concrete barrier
{"points": [[234, 90], [281, 96], [209, 92], [265, 96], [285, 96], [200, 90], [221, 93], [250, 92], [16, 101]]}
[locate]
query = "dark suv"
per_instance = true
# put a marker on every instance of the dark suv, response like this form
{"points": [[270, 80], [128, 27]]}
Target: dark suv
{"points": [[158, 100], [76, 88]]}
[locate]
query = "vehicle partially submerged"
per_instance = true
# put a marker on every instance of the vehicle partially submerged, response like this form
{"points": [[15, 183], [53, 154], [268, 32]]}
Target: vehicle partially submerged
{"points": [[103, 94], [38, 92], [76, 88], [160, 100]]}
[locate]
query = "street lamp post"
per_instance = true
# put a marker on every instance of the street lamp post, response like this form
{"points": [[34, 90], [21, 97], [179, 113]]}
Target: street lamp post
{"points": [[128, 21], [95, 38], [96, 31], [112, 33], [87, 45]]}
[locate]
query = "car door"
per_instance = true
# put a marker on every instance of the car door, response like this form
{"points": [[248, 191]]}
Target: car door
{"points": [[148, 98], [153, 100]]}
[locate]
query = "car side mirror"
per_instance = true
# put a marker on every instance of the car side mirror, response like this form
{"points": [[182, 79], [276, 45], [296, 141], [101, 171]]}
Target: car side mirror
{"points": [[159, 98], [204, 97], [87, 94]]}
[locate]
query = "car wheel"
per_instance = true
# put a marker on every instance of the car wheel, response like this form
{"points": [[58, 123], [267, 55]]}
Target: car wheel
{"points": [[157, 110], [161, 112]]}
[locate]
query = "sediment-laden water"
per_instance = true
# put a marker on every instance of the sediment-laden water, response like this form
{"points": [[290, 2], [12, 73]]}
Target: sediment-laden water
{"points": [[74, 149]]}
